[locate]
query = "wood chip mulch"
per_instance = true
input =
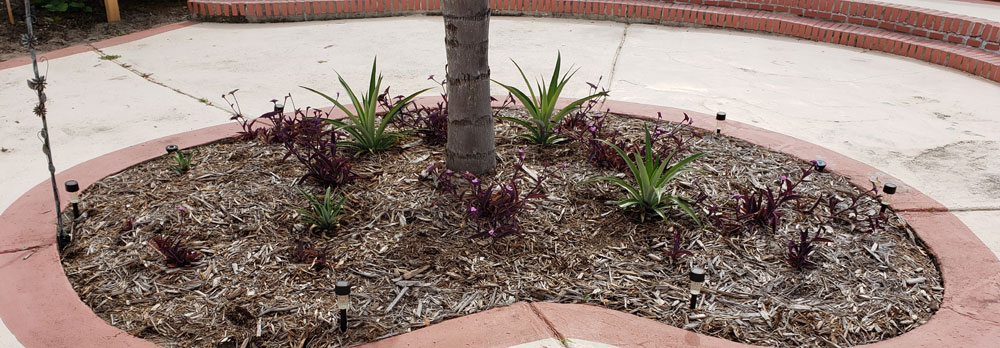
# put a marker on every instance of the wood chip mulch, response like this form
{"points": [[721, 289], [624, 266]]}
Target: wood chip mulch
{"points": [[406, 249]]}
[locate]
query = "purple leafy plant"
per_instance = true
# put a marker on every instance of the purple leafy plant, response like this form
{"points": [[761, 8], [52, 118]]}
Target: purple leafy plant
{"points": [[675, 251], [174, 253], [306, 253], [798, 253], [761, 207], [429, 123], [592, 131], [493, 208], [314, 144], [249, 129]]}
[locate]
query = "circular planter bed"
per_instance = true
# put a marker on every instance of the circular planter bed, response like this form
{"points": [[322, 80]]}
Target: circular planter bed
{"points": [[262, 277]]}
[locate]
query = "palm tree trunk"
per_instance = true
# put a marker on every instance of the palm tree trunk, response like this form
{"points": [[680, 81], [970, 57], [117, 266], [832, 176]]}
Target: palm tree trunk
{"points": [[470, 118]]}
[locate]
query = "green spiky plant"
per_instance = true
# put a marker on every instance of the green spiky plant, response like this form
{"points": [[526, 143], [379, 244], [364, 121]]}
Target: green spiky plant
{"points": [[652, 173], [183, 162], [541, 106], [366, 129], [323, 214]]}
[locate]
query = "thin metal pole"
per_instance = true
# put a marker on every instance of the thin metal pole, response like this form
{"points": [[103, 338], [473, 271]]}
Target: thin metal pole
{"points": [[40, 111]]}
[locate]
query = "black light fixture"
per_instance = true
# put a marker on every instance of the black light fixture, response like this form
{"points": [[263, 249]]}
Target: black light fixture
{"points": [[720, 117], [820, 165], [73, 188], [171, 148], [889, 190], [697, 277], [279, 107], [343, 290]]}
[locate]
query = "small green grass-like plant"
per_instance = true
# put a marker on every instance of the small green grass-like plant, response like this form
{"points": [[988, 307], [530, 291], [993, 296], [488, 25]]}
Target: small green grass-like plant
{"points": [[545, 119], [652, 173], [365, 127], [183, 162], [323, 214]]}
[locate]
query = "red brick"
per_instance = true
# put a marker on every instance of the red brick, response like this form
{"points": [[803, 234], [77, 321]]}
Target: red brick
{"points": [[886, 25], [838, 18], [994, 34], [992, 47], [912, 52], [952, 24], [855, 20], [955, 61], [968, 64], [977, 29], [919, 32], [935, 36], [973, 42], [869, 23], [870, 10], [956, 39], [966, 28]]}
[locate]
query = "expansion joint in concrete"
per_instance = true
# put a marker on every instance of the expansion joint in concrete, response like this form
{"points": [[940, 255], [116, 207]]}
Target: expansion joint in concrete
{"points": [[618, 52], [148, 77], [548, 325]]}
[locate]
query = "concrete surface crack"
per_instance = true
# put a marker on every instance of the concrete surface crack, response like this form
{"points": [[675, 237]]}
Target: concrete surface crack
{"points": [[977, 209], [618, 53], [548, 324], [148, 77], [17, 250], [951, 308]]}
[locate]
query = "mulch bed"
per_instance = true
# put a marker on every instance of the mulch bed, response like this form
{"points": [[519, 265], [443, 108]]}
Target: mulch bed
{"points": [[406, 249]]}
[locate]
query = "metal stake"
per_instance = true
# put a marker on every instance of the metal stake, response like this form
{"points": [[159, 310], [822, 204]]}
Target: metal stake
{"points": [[38, 85]]}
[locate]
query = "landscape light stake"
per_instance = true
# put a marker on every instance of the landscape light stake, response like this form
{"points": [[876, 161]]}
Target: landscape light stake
{"points": [[719, 119], [74, 196], [343, 290], [38, 85], [171, 148], [888, 189], [820, 166], [697, 277]]}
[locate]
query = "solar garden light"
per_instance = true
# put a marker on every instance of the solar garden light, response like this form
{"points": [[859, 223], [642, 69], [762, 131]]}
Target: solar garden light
{"points": [[171, 148], [279, 107], [889, 190], [74, 196], [820, 165], [720, 117], [697, 277], [343, 290]]}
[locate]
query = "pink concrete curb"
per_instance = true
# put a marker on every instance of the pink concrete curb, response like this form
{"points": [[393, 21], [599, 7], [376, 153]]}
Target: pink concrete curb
{"points": [[41, 308]]}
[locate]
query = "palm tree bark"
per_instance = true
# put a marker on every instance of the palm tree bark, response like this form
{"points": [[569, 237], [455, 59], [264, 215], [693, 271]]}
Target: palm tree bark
{"points": [[470, 118]]}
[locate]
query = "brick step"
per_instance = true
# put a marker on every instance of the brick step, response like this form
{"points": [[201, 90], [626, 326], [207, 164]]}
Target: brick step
{"points": [[979, 60], [921, 22]]}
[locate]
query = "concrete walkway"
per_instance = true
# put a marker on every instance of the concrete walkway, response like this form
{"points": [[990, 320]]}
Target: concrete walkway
{"points": [[933, 127]]}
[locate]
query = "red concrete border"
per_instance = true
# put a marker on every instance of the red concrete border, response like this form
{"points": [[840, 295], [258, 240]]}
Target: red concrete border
{"points": [[42, 310], [960, 42], [19, 61]]}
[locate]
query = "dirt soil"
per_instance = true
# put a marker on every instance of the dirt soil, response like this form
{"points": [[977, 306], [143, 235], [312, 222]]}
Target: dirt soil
{"points": [[406, 248], [60, 30]]}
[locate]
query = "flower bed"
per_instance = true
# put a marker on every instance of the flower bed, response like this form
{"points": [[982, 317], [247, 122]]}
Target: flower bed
{"points": [[264, 278]]}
